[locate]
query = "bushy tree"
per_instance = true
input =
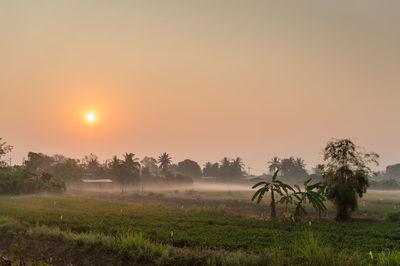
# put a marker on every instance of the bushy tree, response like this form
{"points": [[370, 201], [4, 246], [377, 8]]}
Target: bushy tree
{"points": [[345, 174], [38, 163], [69, 170], [189, 168], [18, 180], [211, 169]]}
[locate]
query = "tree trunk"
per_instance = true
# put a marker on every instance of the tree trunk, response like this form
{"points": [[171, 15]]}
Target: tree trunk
{"points": [[273, 210], [343, 213]]}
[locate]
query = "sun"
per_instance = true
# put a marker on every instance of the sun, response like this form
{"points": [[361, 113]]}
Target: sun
{"points": [[91, 117]]}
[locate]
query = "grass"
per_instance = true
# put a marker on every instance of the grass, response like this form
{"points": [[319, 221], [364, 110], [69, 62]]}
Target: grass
{"points": [[198, 230]]}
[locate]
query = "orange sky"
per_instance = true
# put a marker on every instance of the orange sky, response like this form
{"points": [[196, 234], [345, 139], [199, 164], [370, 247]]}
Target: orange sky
{"points": [[200, 79]]}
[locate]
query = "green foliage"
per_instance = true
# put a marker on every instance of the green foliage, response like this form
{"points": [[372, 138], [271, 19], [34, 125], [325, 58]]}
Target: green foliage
{"points": [[69, 170], [388, 258], [346, 175], [97, 223], [18, 248], [275, 186], [315, 198], [393, 217], [15, 180], [313, 251]]}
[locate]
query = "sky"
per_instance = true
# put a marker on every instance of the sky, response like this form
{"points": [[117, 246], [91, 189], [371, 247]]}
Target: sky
{"points": [[200, 79]]}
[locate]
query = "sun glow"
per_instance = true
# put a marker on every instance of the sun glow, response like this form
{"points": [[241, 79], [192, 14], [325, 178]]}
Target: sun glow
{"points": [[91, 117]]}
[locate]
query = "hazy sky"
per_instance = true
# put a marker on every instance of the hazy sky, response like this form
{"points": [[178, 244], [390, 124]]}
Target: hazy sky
{"points": [[200, 79]]}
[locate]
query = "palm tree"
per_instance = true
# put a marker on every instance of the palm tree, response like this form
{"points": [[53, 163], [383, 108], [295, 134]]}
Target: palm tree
{"points": [[300, 163], [274, 164], [165, 161], [131, 162], [238, 166], [273, 186]]}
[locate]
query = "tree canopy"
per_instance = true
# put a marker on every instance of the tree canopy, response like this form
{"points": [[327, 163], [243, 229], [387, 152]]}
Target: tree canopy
{"points": [[345, 174]]}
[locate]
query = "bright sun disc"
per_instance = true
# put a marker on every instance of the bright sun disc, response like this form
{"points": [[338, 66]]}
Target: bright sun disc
{"points": [[90, 117]]}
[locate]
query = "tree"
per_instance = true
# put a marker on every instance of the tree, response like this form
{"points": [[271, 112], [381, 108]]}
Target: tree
{"points": [[4, 149], [345, 174], [92, 165], [275, 186], [165, 161], [293, 169], [237, 166], [150, 164], [274, 164], [393, 171], [39, 163], [189, 168], [69, 171], [211, 169], [130, 169]]}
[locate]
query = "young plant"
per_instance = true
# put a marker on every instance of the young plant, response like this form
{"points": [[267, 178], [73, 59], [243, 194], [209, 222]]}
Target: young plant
{"points": [[275, 186], [313, 194]]}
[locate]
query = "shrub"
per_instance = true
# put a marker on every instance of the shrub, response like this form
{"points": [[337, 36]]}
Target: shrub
{"points": [[16, 180], [393, 217]]}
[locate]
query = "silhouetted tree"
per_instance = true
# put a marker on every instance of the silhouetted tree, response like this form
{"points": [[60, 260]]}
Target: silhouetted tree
{"points": [[38, 163], [237, 167], [4, 149], [189, 168], [165, 161], [92, 165], [150, 164], [274, 164], [345, 174], [393, 171], [225, 169], [211, 170]]}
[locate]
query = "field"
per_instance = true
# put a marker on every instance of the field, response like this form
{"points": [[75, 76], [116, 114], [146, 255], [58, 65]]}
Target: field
{"points": [[192, 227]]}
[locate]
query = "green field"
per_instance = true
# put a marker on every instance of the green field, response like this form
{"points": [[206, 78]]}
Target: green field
{"points": [[207, 229]]}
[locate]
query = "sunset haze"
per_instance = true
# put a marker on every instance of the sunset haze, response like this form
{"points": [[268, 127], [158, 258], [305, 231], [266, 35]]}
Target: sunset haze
{"points": [[200, 79]]}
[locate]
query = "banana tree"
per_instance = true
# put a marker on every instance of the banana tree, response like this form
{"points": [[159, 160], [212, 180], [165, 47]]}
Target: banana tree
{"points": [[315, 198], [275, 186]]}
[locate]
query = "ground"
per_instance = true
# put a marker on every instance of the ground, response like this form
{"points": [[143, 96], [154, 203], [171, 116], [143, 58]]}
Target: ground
{"points": [[201, 221]]}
